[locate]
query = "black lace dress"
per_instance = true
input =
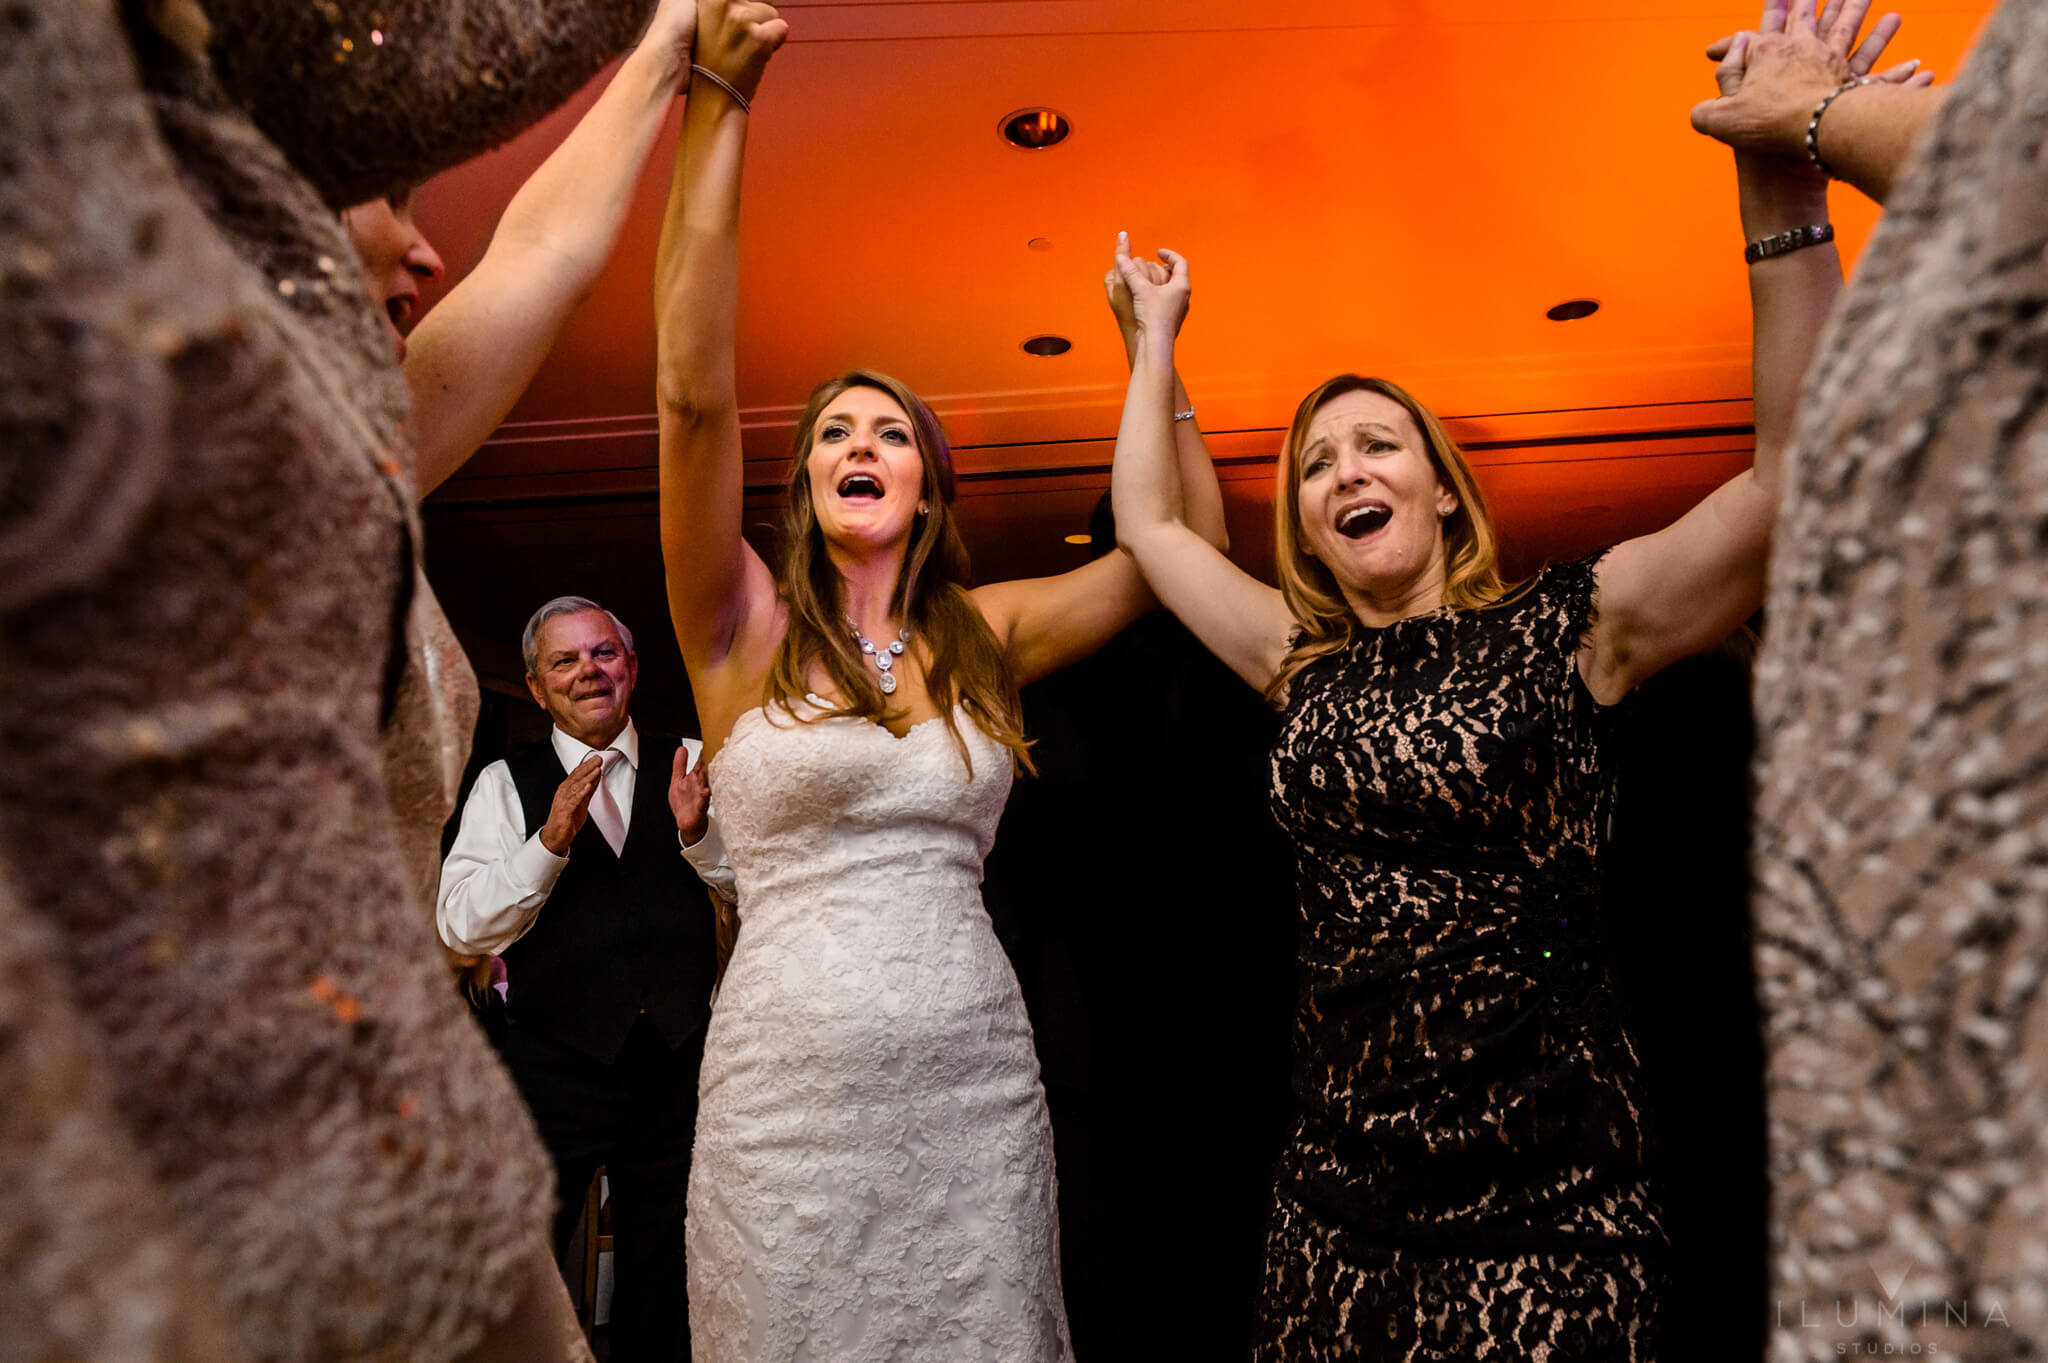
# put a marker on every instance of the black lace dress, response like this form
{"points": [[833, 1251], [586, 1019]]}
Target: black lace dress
{"points": [[1467, 1175]]}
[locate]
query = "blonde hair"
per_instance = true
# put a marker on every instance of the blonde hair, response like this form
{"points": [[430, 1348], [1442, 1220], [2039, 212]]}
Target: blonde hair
{"points": [[966, 666], [1471, 552]]}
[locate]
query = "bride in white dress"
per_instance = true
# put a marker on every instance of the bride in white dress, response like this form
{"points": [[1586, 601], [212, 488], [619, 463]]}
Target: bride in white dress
{"points": [[872, 1177]]}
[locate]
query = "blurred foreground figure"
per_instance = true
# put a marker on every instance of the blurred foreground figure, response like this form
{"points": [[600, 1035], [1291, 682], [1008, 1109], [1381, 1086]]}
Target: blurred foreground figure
{"points": [[273, 1112], [1902, 820]]}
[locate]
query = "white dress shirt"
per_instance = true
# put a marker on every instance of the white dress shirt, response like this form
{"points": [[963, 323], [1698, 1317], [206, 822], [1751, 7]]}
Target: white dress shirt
{"points": [[496, 878]]}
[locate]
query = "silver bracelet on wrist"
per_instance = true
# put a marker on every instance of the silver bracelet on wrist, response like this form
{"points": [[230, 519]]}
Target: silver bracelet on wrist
{"points": [[1188, 415], [722, 83], [1813, 124], [1784, 243]]}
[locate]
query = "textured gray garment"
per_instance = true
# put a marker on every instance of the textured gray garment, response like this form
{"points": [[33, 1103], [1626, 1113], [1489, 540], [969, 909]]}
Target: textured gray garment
{"points": [[1902, 822], [238, 1085]]}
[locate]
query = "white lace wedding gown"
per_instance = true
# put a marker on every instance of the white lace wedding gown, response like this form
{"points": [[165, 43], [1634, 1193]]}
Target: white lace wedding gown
{"points": [[873, 1176]]}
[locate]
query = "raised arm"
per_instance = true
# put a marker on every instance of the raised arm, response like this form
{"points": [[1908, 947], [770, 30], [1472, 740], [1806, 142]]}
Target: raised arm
{"points": [[1048, 622], [1866, 133], [1240, 619], [1683, 589], [718, 588], [473, 355]]}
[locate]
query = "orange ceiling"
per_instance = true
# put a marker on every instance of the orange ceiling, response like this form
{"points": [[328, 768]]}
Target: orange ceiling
{"points": [[1390, 186]]}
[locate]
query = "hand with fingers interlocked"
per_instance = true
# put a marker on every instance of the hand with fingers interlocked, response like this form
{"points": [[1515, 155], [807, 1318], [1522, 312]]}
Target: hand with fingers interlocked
{"points": [[735, 39], [1122, 305], [1150, 298], [671, 31], [1774, 76]]}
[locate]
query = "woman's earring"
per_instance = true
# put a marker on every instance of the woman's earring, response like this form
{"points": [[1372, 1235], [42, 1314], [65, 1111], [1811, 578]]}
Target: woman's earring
{"points": [[924, 508]]}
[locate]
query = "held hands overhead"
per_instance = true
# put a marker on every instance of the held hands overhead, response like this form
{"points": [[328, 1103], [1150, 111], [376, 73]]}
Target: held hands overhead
{"points": [[1773, 77], [735, 39], [670, 34], [1150, 298]]}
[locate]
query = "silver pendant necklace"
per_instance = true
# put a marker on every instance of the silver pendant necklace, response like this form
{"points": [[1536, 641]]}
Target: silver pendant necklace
{"points": [[885, 658]]}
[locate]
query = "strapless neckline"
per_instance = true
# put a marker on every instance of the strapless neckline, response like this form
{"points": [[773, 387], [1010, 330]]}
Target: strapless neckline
{"points": [[761, 712]]}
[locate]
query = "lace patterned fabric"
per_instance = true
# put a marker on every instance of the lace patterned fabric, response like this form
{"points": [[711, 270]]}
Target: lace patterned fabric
{"points": [[1466, 1178], [873, 1175]]}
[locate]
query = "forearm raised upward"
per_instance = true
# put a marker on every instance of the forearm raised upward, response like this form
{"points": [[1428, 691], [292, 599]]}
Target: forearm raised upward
{"points": [[475, 353]]}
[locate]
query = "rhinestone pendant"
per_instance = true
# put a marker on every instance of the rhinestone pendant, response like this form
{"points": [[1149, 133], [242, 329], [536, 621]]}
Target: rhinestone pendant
{"points": [[867, 647], [888, 683], [885, 662], [896, 647]]}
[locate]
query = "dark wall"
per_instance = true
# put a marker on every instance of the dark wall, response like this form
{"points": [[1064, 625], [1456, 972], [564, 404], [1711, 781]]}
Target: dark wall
{"points": [[1146, 898], [1678, 908]]}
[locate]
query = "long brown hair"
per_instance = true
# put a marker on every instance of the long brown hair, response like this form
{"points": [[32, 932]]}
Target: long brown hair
{"points": [[966, 665], [1471, 552]]}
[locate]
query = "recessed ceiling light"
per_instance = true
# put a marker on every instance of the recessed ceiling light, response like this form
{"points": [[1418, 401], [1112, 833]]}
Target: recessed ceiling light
{"points": [[1048, 345], [1080, 539], [1573, 309], [1035, 129]]}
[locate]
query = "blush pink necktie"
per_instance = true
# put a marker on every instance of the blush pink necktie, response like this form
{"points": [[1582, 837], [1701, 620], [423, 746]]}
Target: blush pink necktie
{"points": [[604, 810]]}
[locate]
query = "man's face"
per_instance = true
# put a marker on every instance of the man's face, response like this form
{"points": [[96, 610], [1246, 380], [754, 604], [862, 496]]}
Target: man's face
{"points": [[585, 679]]}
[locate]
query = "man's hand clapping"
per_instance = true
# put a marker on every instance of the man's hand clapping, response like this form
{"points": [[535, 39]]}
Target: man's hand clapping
{"points": [[689, 798], [571, 806]]}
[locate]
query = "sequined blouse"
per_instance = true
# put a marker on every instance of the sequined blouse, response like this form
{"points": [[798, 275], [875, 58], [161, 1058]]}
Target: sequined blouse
{"points": [[238, 1087]]}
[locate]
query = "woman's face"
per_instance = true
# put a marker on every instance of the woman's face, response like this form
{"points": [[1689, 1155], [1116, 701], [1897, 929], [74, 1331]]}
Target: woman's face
{"points": [[395, 257], [1370, 502], [867, 476]]}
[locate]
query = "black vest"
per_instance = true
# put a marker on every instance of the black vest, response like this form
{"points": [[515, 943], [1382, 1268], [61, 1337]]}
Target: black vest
{"points": [[620, 934]]}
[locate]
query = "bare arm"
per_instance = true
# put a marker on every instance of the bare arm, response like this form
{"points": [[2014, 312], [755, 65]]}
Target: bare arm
{"points": [[1683, 589], [474, 353], [1240, 620], [1868, 133], [1201, 494], [718, 588], [1047, 623]]}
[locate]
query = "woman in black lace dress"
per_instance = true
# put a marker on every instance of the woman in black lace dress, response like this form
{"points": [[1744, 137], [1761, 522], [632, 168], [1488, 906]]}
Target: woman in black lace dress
{"points": [[1467, 1176]]}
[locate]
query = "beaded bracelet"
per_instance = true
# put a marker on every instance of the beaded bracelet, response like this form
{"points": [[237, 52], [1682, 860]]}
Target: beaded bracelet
{"points": [[1813, 124]]}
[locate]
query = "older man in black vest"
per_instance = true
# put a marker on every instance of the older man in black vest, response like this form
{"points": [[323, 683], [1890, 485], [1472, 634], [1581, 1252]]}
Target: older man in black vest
{"points": [[567, 865]]}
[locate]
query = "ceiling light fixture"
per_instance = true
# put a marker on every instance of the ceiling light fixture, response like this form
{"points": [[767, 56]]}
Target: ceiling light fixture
{"points": [[1080, 539], [1573, 309], [1034, 129], [1048, 346]]}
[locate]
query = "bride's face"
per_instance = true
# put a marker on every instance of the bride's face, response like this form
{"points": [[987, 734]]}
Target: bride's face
{"points": [[867, 476]]}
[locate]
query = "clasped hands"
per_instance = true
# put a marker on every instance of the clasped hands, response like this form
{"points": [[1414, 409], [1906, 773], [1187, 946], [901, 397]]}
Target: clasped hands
{"points": [[1772, 77], [1149, 297]]}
